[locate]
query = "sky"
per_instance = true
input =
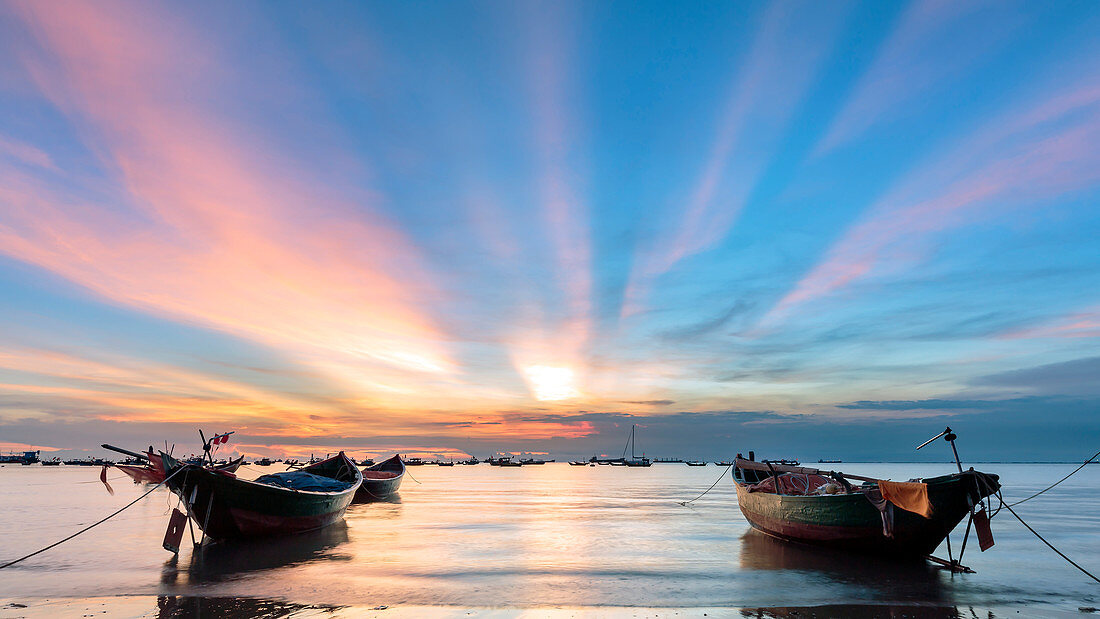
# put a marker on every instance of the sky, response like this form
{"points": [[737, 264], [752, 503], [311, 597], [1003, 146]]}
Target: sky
{"points": [[808, 229]]}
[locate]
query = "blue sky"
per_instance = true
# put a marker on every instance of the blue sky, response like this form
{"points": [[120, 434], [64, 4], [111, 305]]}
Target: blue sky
{"points": [[465, 227]]}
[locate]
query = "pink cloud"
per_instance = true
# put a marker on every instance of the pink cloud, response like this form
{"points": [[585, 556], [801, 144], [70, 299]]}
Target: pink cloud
{"points": [[25, 153], [1079, 325], [1021, 160], [212, 226], [564, 211]]}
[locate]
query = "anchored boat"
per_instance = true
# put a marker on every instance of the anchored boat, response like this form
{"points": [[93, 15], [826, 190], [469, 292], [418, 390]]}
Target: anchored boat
{"points": [[381, 480], [226, 507], [899, 519]]}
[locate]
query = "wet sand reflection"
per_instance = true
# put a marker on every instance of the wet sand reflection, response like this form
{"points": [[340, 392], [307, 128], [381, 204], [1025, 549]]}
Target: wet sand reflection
{"points": [[889, 580], [228, 559]]}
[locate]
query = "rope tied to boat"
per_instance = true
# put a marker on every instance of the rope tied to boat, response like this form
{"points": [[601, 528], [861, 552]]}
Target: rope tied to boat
{"points": [[981, 479], [1083, 464], [685, 503], [94, 524]]}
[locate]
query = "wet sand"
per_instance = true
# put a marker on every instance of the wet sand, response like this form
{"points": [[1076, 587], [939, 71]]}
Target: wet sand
{"points": [[180, 607]]}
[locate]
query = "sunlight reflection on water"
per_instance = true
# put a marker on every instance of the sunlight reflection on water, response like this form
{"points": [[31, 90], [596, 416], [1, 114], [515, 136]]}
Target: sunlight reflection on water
{"points": [[536, 536]]}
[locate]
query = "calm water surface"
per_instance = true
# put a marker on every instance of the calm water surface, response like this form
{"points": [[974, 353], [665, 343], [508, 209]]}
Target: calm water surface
{"points": [[552, 535]]}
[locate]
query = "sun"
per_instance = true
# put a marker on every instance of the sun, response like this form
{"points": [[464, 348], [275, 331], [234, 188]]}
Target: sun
{"points": [[551, 383]]}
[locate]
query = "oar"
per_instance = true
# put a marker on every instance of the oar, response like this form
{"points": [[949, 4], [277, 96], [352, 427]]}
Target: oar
{"points": [[126, 452]]}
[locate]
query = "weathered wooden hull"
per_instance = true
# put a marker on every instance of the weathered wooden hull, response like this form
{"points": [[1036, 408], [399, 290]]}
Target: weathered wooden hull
{"points": [[376, 488], [851, 522], [225, 507]]}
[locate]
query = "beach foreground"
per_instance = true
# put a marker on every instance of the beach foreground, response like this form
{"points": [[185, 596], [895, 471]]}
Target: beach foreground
{"points": [[164, 607]]}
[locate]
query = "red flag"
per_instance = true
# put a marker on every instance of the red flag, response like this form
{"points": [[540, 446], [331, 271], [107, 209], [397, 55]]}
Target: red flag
{"points": [[103, 478], [225, 438]]}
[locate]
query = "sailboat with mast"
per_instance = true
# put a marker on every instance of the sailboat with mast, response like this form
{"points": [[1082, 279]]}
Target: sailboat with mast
{"points": [[634, 460]]}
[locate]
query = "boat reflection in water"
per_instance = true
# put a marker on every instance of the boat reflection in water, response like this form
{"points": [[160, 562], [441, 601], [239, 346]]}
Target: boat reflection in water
{"points": [[176, 607], [869, 577], [860, 611], [227, 559]]}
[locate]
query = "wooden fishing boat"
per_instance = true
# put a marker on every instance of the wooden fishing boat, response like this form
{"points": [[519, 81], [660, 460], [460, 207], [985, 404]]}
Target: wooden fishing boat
{"points": [[696, 463], [823, 507], [225, 507], [382, 480]]}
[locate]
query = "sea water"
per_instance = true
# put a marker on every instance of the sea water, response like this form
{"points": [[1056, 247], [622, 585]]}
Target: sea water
{"points": [[540, 537]]}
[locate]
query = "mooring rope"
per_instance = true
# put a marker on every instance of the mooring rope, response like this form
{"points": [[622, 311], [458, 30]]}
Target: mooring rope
{"points": [[685, 503], [94, 524], [69, 483], [1051, 546], [1094, 456], [982, 480]]}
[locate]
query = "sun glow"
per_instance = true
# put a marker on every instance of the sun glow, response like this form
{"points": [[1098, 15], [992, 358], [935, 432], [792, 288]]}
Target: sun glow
{"points": [[551, 383]]}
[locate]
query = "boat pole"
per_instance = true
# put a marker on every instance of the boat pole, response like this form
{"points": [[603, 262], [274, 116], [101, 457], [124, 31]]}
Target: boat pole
{"points": [[950, 437], [125, 452]]}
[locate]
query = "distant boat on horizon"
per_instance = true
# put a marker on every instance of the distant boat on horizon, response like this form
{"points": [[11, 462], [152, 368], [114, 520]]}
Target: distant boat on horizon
{"points": [[634, 460]]}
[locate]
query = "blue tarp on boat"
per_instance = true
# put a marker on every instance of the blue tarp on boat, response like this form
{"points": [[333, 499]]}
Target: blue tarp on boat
{"points": [[301, 480]]}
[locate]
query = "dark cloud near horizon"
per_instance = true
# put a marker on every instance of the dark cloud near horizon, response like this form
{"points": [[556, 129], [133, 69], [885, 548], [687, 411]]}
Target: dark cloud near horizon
{"points": [[1077, 377], [1031, 428]]}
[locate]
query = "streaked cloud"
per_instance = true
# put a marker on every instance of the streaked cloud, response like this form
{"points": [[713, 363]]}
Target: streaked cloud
{"points": [[1085, 324], [1022, 159], [789, 45], [934, 43]]}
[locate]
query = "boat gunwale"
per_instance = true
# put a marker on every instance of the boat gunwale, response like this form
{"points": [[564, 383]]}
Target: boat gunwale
{"points": [[856, 489]]}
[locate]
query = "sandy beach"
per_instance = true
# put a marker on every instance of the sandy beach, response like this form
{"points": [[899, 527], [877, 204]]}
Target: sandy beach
{"points": [[164, 607]]}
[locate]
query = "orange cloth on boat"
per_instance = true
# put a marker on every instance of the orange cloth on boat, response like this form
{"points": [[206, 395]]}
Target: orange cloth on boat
{"points": [[908, 495]]}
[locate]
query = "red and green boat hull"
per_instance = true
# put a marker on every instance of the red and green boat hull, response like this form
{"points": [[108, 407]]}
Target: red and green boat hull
{"points": [[226, 507], [851, 522]]}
